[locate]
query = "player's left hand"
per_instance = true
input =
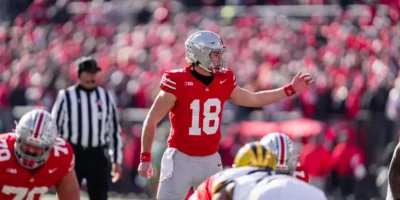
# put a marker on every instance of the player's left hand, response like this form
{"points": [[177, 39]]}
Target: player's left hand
{"points": [[116, 172], [301, 82]]}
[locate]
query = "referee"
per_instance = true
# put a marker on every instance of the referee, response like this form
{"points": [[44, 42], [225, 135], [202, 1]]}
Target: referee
{"points": [[86, 116]]}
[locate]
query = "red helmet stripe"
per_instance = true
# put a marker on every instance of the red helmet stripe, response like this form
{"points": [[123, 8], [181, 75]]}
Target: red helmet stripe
{"points": [[39, 124], [282, 145]]}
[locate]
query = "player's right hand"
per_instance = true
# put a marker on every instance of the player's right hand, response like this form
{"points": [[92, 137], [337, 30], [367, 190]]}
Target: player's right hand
{"points": [[145, 169]]}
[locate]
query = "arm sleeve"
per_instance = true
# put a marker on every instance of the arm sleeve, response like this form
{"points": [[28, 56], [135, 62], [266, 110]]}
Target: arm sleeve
{"points": [[115, 150], [71, 158], [169, 83], [232, 80], [65, 157], [58, 111]]}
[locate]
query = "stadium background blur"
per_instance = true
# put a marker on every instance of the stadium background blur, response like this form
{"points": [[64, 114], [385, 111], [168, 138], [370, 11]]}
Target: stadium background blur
{"points": [[350, 47]]}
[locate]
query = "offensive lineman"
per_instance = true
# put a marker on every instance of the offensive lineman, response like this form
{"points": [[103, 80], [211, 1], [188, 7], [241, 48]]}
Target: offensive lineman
{"points": [[253, 160], [286, 155], [34, 159], [195, 96]]}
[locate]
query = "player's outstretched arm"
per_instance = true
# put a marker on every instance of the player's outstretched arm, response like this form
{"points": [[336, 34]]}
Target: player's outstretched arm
{"points": [[394, 175], [68, 187], [225, 193], [247, 98], [161, 106]]}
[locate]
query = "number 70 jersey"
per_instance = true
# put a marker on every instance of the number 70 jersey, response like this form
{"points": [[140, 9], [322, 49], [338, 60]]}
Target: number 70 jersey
{"points": [[197, 113], [17, 183]]}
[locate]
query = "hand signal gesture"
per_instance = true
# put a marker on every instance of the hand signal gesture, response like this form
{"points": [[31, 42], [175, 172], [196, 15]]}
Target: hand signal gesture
{"points": [[301, 82]]}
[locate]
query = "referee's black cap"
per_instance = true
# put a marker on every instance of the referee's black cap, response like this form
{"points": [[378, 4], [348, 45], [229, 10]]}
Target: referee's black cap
{"points": [[87, 64]]}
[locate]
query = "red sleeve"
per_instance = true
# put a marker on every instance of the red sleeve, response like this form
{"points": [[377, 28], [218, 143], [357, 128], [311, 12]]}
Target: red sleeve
{"points": [[5, 153], [169, 83], [232, 80], [301, 173], [5, 136], [65, 154], [70, 159]]}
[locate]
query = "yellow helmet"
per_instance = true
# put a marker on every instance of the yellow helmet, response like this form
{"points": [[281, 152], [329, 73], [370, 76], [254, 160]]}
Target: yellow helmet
{"points": [[255, 154]]}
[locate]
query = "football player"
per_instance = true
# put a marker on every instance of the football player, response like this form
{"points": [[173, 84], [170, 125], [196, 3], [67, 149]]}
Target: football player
{"points": [[34, 159], [284, 187], [252, 160], [255, 185], [286, 155], [194, 97], [393, 190]]}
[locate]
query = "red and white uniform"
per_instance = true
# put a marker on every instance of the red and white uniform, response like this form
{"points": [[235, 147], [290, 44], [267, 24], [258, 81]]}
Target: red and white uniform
{"points": [[197, 114], [17, 183], [301, 173]]}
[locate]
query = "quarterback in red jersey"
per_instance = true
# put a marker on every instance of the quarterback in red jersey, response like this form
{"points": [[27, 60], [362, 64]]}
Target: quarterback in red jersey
{"points": [[34, 159], [194, 97], [286, 155]]}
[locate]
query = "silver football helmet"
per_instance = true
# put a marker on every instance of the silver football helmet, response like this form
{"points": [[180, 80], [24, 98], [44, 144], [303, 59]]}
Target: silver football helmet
{"points": [[200, 45], [36, 128], [284, 150]]}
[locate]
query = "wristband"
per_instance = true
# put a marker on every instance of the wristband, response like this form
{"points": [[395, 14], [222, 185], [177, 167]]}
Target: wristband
{"points": [[289, 90], [145, 157]]}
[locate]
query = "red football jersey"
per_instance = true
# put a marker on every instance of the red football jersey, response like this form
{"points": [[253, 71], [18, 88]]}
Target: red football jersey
{"points": [[17, 183], [204, 191], [197, 113], [301, 173]]}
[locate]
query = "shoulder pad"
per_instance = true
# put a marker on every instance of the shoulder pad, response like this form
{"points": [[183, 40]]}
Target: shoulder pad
{"points": [[227, 176], [175, 71]]}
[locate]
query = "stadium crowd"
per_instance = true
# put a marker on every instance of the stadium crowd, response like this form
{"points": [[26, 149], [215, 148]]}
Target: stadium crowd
{"points": [[354, 58]]}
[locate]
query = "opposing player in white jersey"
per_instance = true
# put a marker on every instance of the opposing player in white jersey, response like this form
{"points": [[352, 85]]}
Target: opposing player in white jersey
{"points": [[252, 159], [284, 187], [259, 186], [286, 155]]}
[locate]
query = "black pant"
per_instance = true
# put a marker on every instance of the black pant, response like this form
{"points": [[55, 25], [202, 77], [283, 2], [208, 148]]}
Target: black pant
{"points": [[347, 185], [93, 165]]}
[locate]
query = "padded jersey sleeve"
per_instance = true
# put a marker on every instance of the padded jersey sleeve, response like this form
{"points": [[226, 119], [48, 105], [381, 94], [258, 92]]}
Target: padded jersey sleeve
{"points": [[70, 164], [301, 173], [5, 152], [169, 83], [65, 154], [232, 80]]}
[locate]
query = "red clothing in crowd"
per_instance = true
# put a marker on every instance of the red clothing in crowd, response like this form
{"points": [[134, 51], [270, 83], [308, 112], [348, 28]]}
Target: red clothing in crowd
{"points": [[346, 158], [316, 159]]}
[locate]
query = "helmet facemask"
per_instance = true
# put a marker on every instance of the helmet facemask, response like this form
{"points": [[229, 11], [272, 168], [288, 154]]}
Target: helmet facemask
{"points": [[27, 159], [218, 64]]}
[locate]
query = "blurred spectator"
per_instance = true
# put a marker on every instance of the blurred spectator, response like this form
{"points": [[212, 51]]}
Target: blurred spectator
{"points": [[348, 163], [317, 160], [353, 56]]}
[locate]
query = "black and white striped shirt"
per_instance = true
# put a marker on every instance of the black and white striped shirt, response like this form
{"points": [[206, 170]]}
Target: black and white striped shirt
{"points": [[89, 119]]}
